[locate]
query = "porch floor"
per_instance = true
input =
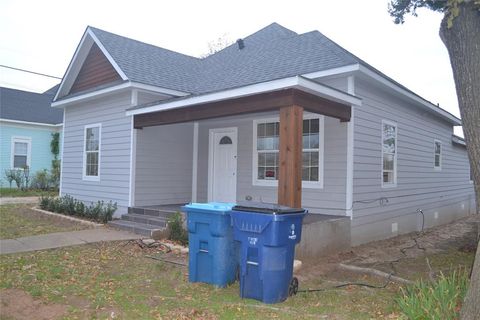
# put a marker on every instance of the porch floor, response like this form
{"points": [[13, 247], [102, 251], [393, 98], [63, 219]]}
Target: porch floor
{"points": [[164, 207]]}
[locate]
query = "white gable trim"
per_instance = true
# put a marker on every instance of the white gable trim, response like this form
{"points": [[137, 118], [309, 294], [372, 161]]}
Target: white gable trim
{"points": [[431, 107], [386, 82], [332, 72], [40, 124], [116, 88], [107, 55], [275, 85], [88, 39]]}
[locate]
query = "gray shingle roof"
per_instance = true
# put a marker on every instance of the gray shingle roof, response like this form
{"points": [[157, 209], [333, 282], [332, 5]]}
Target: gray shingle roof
{"points": [[28, 106], [271, 53]]}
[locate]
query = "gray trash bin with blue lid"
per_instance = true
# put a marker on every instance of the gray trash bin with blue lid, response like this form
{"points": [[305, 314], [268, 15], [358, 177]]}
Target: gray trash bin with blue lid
{"points": [[267, 234]]}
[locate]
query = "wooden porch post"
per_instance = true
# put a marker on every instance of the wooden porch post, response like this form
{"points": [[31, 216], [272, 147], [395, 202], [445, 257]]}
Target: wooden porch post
{"points": [[290, 158]]}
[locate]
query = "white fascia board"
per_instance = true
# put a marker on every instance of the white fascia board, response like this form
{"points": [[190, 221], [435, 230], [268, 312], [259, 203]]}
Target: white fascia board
{"points": [[275, 85], [75, 64], [40, 124], [454, 120], [169, 92], [326, 92], [122, 86], [90, 95], [458, 140], [332, 72]]}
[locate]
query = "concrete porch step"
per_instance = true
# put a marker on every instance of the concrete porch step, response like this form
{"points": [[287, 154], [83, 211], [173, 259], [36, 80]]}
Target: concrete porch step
{"points": [[153, 212], [158, 221], [147, 230]]}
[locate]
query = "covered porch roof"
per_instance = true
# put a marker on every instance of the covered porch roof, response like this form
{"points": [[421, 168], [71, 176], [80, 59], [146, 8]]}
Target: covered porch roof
{"points": [[266, 96], [291, 96]]}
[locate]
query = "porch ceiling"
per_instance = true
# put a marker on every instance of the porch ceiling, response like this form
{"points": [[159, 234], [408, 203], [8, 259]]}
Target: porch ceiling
{"points": [[260, 102]]}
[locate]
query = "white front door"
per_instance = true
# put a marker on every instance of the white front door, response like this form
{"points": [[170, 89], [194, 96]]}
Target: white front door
{"points": [[222, 181]]}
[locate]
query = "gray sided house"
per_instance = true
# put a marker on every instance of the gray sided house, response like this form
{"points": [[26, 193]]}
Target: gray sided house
{"points": [[277, 117]]}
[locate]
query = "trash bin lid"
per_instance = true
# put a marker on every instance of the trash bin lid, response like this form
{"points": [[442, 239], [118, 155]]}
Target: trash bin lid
{"points": [[267, 208], [211, 206]]}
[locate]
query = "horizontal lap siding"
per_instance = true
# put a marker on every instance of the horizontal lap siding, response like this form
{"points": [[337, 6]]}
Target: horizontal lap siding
{"points": [[114, 181], [164, 164], [329, 200], [419, 186]]}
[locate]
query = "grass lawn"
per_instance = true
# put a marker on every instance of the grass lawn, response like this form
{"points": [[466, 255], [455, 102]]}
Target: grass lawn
{"points": [[14, 192], [18, 220], [98, 281], [117, 281]]}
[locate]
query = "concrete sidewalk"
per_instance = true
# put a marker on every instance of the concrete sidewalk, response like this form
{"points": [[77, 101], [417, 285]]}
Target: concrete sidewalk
{"points": [[64, 239], [17, 200]]}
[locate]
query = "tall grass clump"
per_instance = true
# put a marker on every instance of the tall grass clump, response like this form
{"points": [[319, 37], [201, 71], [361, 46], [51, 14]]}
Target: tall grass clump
{"points": [[176, 230], [438, 300]]}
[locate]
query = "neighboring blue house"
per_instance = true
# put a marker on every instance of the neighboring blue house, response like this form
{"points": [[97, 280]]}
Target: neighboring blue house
{"points": [[26, 125]]}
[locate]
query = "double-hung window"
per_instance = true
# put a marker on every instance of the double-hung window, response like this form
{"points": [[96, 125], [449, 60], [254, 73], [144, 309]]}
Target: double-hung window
{"points": [[389, 153], [266, 152], [21, 148], [437, 157], [91, 152]]}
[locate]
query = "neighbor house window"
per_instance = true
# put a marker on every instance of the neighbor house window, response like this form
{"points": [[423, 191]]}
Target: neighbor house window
{"points": [[21, 148], [266, 151], [91, 148], [389, 153], [437, 161]]}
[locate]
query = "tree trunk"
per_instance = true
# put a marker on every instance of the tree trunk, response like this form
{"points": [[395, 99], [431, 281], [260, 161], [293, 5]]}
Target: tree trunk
{"points": [[462, 40]]}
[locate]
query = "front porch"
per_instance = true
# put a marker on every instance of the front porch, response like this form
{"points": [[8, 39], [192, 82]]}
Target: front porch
{"points": [[287, 146]]}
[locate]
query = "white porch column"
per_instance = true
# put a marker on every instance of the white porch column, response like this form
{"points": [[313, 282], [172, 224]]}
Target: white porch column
{"points": [[195, 162], [350, 142]]}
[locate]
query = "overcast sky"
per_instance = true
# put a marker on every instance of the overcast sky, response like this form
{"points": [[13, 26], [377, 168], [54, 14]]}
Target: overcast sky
{"points": [[42, 35]]}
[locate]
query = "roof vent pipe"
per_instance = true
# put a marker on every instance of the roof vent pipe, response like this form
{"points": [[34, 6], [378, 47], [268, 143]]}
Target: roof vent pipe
{"points": [[240, 44]]}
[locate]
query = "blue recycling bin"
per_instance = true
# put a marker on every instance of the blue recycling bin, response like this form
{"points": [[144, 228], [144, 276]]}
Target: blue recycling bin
{"points": [[267, 235], [213, 254]]}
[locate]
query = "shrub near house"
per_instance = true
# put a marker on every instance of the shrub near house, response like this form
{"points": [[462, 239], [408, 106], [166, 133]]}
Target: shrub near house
{"points": [[99, 211]]}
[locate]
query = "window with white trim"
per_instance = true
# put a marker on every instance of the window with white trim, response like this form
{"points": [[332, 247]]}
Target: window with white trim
{"points": [[437, 157], [91, 149], [266, 151], [21, 148], [389, 153]]}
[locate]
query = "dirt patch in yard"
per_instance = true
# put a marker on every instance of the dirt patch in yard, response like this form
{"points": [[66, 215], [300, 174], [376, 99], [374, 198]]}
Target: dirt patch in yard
{"points": [[20, 221], [412, 256], [19, 305]]}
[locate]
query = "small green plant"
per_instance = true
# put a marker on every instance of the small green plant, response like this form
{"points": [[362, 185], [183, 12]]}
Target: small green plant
{"points": [[439, 300], [40, 181], [14, 175], [44, 202], [26, 178], [55, 149], [176, 230], [108, 211], [9, 176]]}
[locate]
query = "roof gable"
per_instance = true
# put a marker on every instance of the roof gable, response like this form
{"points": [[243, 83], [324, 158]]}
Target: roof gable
{"points": [[151, 65], [81, 53], [96, 70]]}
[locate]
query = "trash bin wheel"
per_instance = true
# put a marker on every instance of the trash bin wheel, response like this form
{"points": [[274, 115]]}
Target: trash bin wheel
{"points": [[293, 287], [237, 273]]}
